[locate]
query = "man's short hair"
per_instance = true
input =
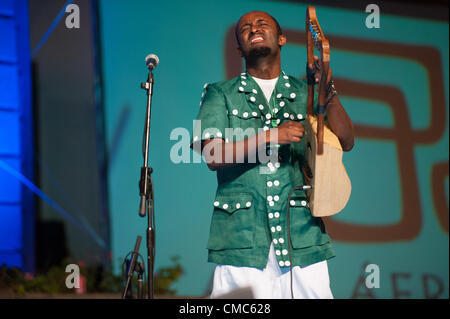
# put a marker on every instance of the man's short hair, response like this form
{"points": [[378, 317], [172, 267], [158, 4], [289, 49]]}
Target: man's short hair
{"points": [[279, 31]]}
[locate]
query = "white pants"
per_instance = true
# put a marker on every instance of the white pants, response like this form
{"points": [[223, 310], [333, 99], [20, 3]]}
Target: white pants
{"points": [[272, 282]]}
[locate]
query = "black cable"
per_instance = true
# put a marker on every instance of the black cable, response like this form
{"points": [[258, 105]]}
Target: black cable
{"points": [[123, 264]]}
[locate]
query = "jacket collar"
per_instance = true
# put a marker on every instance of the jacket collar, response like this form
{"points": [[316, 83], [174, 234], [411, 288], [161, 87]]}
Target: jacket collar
{"points": [[283, 88]]}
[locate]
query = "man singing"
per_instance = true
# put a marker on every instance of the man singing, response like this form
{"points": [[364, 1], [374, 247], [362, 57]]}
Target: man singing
{"points": [[249, 229]]}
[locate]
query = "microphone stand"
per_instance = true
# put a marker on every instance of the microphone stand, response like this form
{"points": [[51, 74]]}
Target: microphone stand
{"points": [[140, 269], [146, 206]]}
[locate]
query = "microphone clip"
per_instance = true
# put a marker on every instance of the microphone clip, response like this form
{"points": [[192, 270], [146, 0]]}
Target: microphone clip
{"points": [[149, 84]]}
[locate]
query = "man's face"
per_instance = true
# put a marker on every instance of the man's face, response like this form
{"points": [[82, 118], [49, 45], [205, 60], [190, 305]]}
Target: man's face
{"points": [[258, 35]]}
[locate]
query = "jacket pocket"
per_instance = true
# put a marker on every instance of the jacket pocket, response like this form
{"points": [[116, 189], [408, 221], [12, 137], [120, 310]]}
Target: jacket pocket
{"points": [[245, 123], [232, 222], [306, 230]]}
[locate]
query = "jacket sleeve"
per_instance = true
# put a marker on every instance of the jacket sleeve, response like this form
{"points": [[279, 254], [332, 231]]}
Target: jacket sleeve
{"points": [[212, 119]]}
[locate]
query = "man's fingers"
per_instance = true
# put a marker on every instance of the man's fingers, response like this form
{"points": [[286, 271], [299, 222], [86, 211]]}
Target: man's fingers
{"points": [[317, 65], [296, 124], [298, 127], [296, 132], [292, 131], [292, 126]]}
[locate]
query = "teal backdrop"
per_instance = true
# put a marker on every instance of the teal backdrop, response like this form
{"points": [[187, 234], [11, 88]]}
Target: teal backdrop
{"points": [[393, 82]]}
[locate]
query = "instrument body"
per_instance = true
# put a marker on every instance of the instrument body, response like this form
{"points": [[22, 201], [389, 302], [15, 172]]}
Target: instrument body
{"points": [[331, 186]]}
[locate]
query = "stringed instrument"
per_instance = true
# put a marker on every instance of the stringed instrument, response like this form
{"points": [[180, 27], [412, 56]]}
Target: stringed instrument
{"points": [[326, 174]]}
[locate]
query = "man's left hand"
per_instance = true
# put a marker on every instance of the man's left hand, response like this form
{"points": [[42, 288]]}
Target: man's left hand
{"points": [[316, 67]]}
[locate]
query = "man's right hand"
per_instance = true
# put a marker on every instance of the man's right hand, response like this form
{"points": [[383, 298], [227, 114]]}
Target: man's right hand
{"points": [[289, 132]]}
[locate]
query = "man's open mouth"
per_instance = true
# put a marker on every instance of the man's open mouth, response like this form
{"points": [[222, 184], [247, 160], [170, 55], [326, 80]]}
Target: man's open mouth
{"points": [[256, 39]]}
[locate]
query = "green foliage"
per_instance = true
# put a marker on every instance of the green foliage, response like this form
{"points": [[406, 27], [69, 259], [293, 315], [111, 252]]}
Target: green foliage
{"points": [[10, 277], [166, 277], [97, 280], [52, 282]]}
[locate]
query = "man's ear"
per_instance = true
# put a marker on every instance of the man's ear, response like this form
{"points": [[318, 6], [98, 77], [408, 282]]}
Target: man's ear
{"points": [[282, 40], [239, 51]]}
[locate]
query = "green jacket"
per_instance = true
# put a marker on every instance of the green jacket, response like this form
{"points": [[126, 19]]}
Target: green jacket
{"points": [[250, 207]]}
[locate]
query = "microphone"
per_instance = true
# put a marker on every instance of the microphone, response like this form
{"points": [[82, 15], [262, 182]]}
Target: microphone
{"points": [[131, 266], [152, 61]]}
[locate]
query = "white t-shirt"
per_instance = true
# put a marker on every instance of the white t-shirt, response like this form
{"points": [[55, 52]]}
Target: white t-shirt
{"points": [[267, 86]]}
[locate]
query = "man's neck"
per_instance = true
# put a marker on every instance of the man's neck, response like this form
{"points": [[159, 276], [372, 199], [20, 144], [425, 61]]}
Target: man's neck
{"points": [[264, 68]]}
